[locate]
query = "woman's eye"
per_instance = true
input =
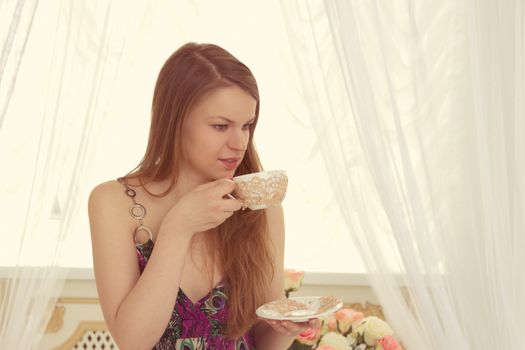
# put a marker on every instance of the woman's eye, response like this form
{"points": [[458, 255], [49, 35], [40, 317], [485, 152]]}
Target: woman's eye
{"points": [[220, 127], [247, 126]]}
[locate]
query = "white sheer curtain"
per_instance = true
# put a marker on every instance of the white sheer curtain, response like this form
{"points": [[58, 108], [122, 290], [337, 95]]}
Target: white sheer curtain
{"points": [[58, 66], [420, 114], [76, 82]]}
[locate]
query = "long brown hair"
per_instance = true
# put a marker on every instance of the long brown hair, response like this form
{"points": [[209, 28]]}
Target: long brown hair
{"points": [[243, 246]]}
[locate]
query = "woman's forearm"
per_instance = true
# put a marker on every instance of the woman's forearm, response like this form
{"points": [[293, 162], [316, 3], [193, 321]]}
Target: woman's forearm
{"points": [[142, 317]]}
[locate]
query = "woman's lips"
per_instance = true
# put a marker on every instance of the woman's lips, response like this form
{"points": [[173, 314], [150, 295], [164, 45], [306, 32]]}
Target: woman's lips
{"points": [[230, 163]]}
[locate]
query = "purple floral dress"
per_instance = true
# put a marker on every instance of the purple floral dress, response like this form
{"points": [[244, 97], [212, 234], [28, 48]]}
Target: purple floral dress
{"points": [[198, 326]]}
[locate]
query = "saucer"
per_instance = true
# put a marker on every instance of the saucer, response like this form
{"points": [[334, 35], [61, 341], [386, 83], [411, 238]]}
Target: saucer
{"points": [[299, 309]]}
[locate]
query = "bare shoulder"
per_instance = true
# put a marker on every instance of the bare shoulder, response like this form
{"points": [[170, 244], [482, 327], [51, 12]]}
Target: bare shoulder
{"points": [[107, 191], [109, 203], [108, 194]]}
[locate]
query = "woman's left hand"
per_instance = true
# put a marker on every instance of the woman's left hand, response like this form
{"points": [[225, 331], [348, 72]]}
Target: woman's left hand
{"points": [[292, 329]]}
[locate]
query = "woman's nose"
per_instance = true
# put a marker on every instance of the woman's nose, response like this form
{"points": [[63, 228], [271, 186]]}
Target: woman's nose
{"points": [[238, 139]]}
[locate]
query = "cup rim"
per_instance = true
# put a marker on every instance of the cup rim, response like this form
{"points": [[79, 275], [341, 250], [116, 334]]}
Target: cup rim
{"points": [[247, 176]]}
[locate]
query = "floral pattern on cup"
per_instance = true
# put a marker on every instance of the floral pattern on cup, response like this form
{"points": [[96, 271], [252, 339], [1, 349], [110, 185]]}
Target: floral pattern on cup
{"points": [[262, 190]]}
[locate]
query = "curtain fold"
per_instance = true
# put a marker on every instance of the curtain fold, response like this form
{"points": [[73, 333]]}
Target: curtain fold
{"points": [[59, 64], [16, 20], [419, 113]]}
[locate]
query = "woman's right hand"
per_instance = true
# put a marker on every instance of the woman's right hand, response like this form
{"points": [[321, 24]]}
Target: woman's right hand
{"points": [[203, 208]]}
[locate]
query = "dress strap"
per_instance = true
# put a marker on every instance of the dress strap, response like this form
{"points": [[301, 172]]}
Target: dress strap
{"points": [[138, 212]]}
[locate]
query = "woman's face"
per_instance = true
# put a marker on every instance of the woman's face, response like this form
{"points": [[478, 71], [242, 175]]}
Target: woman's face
{"points": [[216, 133]]}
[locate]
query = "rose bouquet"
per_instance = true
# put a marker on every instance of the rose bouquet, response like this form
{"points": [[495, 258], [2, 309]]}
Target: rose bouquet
{"points": [[346, 329]]}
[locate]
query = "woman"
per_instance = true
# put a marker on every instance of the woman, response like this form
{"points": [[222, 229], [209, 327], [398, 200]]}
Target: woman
{"points": [[203, 265]]}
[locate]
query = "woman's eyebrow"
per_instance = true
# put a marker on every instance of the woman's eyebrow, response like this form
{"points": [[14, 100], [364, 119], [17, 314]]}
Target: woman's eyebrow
{"points": [[229, 120]]}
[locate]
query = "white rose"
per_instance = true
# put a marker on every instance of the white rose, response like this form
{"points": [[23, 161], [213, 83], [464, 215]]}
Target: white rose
{"points": [[373, 329], [293, 279], [335, 341], [350, 339]]}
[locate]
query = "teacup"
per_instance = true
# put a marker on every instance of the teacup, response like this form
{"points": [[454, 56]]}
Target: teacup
{"points": [[262, 190]]}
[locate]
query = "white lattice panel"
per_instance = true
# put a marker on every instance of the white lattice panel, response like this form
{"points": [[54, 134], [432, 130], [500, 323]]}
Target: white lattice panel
{"points": [[95, 340]]}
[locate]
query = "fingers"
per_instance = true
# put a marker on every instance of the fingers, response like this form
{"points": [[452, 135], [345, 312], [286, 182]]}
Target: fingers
{"points": [[216, 195], [292, 328], [222, 188], [276, 325], [236, 192], [226, 189], [218, 187], [314, 323], [231, 205]]}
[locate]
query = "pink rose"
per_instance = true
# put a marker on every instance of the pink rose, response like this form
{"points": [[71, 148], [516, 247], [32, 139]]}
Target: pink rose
{"points": [[309, 336], [388, 342], [331, 324], [348, 314], [347, 318]]}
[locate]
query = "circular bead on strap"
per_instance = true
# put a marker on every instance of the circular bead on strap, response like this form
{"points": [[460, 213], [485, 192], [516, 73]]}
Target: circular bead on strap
{"points": [[137, 211], [145, 229]]}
